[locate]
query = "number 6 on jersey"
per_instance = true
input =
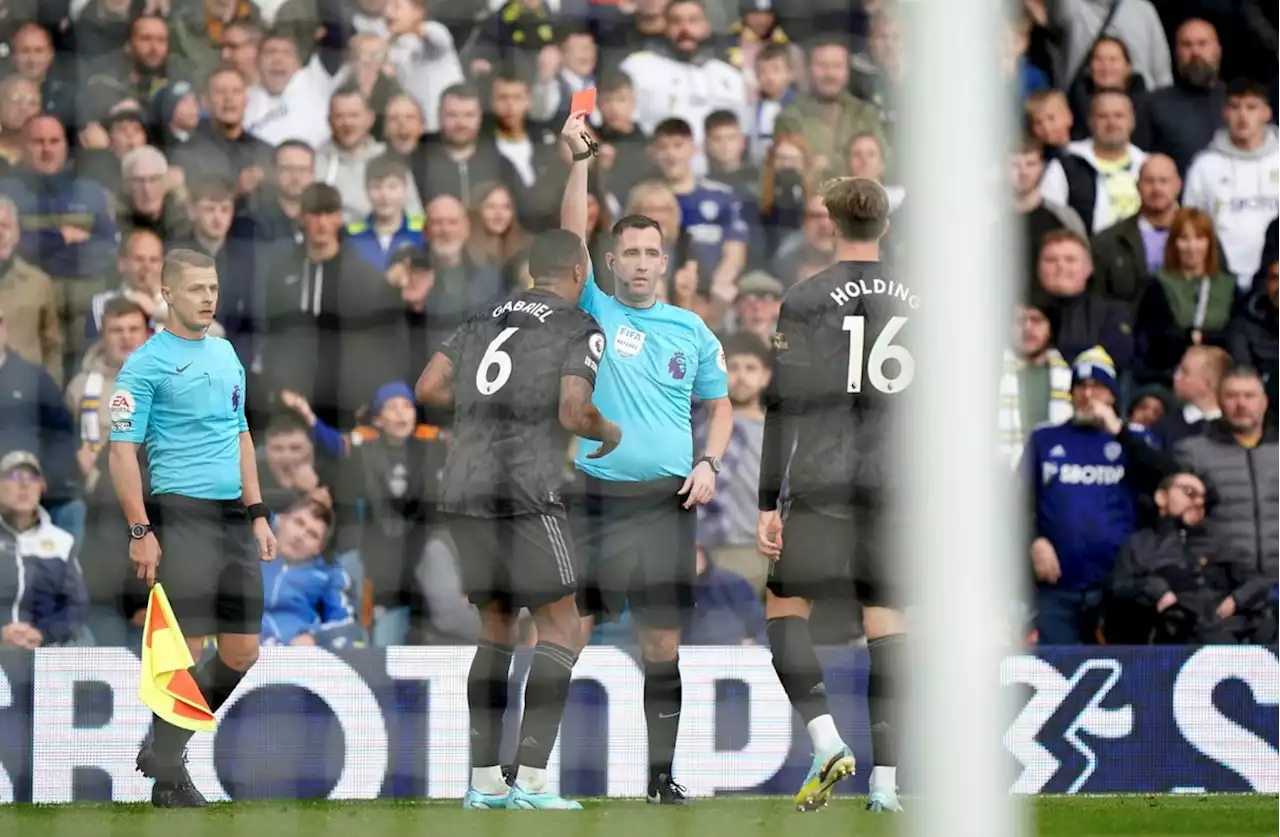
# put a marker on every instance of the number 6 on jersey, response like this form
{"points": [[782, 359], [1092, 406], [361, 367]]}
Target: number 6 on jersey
{"points": [[494, 356], [882, 351]]}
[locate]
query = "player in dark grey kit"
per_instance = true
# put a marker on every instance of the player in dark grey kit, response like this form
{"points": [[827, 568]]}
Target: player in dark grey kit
{"points": [[520, 375], [839, 367]]}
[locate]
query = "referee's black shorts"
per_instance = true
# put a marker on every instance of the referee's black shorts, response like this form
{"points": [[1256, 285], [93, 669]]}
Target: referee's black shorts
{"points": [[637, 546], [837, 553], [209, 564]]}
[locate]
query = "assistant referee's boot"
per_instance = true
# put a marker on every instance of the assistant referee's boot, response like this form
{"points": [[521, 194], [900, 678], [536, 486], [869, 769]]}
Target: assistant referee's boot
{"points": [[663, 790], [173, 787]]}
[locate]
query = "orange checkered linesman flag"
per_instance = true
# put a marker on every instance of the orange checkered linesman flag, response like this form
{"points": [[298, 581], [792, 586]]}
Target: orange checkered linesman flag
{"points": [[166, 686]]}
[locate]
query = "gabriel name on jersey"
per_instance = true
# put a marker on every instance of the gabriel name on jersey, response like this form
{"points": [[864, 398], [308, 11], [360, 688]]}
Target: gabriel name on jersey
{"points": [[509, 450], [839, 364]]}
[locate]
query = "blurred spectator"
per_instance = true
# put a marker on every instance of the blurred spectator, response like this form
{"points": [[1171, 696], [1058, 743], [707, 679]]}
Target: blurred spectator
{"points": [[370, 71], [409, 270], [775, 76], [388, 226], [624, 147], [1108, 68], [44, 600], [28, 298], [148, 203], [1252, 335], [220, 145], [726, 611], [139, 265], [307, 599], [68, 229], [530, 148], [562, 73], [828, 116], [460, 285], [125, 327], [1181, 119], [19, 104], [32, 54], [1098, 177], [1147, 406], [453, 162], [518, 32], [136, 73], [1235, 179], [1238, 458], [878, 73], [1084, 478], [341, 162], [1189, 303], [685, 80], [288, 102], [241, 47], [1084, 319], [1037, 216], [271, 217], [334, 325], [1035, 388], [726, 525], [289, 473], [709, 212], [1050, 121], [727, 156], [757, 29], [103, 147], [1174, 593], [174, 115], [424, 57], [1076, 24], [496, 235], [198, 28], [1195, 383], [786, 187], [813, 248], [758, 304], [402, 124], [1127, 254]]}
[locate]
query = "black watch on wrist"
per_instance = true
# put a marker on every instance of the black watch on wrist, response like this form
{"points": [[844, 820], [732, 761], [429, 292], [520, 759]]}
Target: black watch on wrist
{"points": [[714, 462], [138, 531]]}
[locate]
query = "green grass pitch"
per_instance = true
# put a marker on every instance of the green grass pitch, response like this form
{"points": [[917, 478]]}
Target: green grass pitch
{"points": [[1130, 816]]}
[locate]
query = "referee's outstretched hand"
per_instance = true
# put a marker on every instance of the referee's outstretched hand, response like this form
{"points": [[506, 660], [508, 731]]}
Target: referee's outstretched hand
{"points": [[145, 555], [266, 539]]}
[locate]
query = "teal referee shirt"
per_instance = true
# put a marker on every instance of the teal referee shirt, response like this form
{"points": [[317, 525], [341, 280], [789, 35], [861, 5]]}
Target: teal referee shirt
{"points": [[657, 360], [185, 400]]}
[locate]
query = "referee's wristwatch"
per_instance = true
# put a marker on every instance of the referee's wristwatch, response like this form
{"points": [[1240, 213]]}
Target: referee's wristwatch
{"points": [[138, 531], [713, 461]]}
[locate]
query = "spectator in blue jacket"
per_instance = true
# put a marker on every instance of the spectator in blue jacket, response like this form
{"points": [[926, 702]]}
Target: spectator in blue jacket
{"points": [[305, 598], [68, 230], [42, 595], [33, 417], [728, 611], [1085, 478], [388, 227]]}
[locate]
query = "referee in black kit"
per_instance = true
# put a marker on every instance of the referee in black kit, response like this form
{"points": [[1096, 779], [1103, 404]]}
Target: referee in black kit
{"points": [[182, 395]]}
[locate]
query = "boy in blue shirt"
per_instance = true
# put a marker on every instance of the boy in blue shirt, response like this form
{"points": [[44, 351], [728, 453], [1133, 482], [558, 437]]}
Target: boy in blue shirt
{"points": [[388, 227], [306, 599]]}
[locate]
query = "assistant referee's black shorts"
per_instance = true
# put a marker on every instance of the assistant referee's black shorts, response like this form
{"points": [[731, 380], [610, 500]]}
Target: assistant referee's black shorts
{"points": [[638, 547], [209, 564], [837, 553]]}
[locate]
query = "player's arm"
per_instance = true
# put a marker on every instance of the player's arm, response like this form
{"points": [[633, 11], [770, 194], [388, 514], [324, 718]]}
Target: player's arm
{"points": [[573, 207], [435, 386], [783, 396], [578, 414]]}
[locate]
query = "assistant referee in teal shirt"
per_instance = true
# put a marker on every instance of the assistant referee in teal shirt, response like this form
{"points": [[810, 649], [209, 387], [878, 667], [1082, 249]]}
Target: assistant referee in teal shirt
{"points": [[181, 395]]}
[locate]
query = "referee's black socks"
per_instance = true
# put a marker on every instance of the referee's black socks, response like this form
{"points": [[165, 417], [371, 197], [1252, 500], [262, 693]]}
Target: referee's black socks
{"points": [[487, 700], [884, 694], [217, 681], [797, 666], [663, 698], [545, 693]]}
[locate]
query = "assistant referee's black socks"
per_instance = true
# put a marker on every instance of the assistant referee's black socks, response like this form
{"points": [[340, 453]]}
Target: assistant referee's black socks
{"points": [[663, 698], [545, 693], [217, 681]]}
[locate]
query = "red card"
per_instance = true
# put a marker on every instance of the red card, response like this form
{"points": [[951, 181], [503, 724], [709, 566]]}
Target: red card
{"points": [[583, 101]]}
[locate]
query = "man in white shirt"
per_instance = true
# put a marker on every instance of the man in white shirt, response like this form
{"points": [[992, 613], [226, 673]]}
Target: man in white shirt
{"points": [[341, 161], [563, 71], [289, 102], [687, 82], [1237, 179], [423, 54]]}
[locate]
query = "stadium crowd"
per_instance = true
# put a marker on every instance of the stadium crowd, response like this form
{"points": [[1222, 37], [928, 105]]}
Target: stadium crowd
{"points": [[366, 173]]}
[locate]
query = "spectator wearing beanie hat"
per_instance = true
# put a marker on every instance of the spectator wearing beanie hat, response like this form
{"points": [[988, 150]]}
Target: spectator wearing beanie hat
{"points": [[1086, 478], [174, 115]]}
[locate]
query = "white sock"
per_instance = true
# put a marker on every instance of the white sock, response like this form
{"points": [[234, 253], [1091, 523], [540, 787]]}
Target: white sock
{"points": [[884, 779], [532, 779], [825, 737], [488, 779]]}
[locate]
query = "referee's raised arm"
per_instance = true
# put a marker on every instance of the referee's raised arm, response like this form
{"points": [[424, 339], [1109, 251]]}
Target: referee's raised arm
{"points": [[182, 395], [573, 207]]}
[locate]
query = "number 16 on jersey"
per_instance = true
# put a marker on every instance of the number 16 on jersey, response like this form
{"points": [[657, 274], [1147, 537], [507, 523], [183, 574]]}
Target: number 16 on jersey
{"points": [[882, 351]]}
